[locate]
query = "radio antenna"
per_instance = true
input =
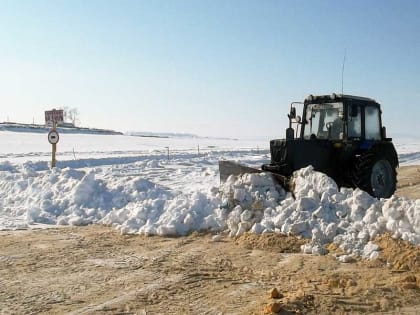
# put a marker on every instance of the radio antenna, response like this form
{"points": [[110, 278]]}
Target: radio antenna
{"points": [[342, 72]]}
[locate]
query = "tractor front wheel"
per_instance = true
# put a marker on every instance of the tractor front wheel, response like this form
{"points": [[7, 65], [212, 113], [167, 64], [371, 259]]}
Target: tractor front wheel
{"points": [[375, 175]]}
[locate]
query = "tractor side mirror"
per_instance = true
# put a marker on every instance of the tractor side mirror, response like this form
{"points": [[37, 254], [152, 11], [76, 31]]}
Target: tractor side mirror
{"points": [[292, 112]]}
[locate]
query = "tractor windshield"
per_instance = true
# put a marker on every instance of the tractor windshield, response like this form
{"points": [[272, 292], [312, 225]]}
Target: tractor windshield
{"points": [[323, 121]]}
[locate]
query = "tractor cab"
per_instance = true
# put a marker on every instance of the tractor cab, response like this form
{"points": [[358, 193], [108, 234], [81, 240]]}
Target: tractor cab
{"points": [[337, 117]]}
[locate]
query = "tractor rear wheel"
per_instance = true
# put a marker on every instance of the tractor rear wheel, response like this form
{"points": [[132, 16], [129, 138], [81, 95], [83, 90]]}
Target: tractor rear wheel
{"points": [[375, 174]]}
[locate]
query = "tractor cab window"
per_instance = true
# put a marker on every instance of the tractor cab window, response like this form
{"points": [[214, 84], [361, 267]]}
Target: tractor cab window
{"points": [[324, 121], [354, 122], [372, 123]]}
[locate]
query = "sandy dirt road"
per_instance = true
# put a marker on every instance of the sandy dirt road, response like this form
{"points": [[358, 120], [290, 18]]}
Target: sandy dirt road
{"points": [[95, 270]]}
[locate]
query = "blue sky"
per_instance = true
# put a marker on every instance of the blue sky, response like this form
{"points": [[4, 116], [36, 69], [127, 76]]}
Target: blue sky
{"points": [[212, 68]]}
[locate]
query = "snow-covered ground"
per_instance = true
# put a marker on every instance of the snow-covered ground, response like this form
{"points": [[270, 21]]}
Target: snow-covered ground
{"points": [[130, 183], [22, 147]]}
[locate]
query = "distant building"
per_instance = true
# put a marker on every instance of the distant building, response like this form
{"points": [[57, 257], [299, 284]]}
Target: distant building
{"points": [[54, 116]]}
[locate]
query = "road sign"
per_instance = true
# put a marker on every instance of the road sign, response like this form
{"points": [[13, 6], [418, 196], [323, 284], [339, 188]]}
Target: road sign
{"points": [[52, 117], [53, 137]]}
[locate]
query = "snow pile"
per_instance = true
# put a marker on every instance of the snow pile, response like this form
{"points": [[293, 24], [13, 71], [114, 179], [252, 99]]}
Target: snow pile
{"points": [[62, 197], [251, 202], [320, 211], [130, 203], [252, 197], [167, 215]]}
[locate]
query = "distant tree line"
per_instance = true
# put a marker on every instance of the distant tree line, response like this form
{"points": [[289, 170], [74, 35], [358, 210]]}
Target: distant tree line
{"points": [[71, 115]]}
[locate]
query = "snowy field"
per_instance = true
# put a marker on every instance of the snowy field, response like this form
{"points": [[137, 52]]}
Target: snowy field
{"points": [[132, 184]]}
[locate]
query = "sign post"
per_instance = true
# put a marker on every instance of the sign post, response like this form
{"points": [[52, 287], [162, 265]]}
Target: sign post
{"points": [[53, 138], [53, 117]]}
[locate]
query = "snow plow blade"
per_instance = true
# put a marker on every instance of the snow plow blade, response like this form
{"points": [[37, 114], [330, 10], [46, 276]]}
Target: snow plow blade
{"points": [[227, 168]]}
